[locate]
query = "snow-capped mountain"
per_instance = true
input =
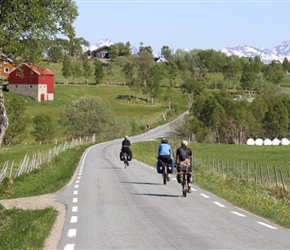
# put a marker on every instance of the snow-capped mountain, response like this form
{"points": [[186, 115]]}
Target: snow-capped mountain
{"points": [[100, 43], [267, 55]]}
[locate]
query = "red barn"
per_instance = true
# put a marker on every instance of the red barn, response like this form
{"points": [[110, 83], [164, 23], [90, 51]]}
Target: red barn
{"points": [[29, 80]]}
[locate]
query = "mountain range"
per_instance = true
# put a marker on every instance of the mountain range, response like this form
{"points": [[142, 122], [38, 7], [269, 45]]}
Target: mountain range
{"points": [[278, 53]]}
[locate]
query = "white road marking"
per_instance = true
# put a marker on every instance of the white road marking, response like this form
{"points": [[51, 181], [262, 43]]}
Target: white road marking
{"points": [[75, 200], [77, 181], [72, 233], [80, 173], [74, 209], [76, 192], [266, 225], [69, 247], [79, 177], [76, 186], [219, 204], [74, 219], [204, 195], [239, 214]]}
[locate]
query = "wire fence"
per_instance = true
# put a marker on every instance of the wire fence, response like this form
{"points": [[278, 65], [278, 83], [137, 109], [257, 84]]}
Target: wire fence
{"points": [[28, 164], [264, 174]]}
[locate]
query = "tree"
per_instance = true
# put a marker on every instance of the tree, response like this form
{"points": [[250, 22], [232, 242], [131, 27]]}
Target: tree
{"points": [[25, 27], [67, 67], [87, 116], [44, 129], [55, 53], [87, 68], [99, 71], [248, 77], [16, 108]]}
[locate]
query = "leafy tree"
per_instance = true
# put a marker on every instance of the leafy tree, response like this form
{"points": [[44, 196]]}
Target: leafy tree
{"points": [[274, 72], [67, 67], [55, 53], [99, 71], [87, 68], [154, 78], [145, 48], [166, 52], [25, 27], [231, 72], [144, 63], [77, 71], [16, 109], [248, 77], [172, 72], [276, 121], [44, 128], [87, 116], [286, 65]]}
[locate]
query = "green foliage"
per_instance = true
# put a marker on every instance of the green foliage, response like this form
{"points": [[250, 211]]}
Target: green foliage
{"points": [[18, 120], [99, 71], [87, 116], [34, 20], [44, 129]]}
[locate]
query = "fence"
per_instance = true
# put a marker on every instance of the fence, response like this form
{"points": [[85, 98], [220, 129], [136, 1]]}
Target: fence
{"points": [[270, 176], [27, 164]]}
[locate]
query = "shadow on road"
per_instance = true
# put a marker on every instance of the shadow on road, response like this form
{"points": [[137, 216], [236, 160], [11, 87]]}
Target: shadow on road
{"points": [[157, 195], [142, 183]]}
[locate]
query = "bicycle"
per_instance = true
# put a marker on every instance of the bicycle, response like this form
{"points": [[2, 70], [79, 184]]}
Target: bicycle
{"points": [[184, 172], [126, 162], [166, 168]]}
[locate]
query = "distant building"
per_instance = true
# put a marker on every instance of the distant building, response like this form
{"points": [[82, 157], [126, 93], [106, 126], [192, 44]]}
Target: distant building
{"points": [[6, 66], [29, 80]]}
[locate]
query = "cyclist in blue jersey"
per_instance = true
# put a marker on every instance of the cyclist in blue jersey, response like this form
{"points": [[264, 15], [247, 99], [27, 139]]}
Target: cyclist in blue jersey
{"points": [[165, 154]]}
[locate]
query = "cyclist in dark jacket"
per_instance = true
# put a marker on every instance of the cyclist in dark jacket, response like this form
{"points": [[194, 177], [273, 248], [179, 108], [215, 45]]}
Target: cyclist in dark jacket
{"points": [[126, 147], [184, 158]]}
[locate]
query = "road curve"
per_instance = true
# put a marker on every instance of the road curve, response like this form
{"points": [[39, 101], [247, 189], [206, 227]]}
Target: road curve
{"points": [[110, 207]]}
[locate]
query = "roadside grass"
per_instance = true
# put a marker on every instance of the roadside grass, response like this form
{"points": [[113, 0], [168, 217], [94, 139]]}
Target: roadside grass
{"points": [[25, 229], [270, 202], [47, 179], [28, 229]]}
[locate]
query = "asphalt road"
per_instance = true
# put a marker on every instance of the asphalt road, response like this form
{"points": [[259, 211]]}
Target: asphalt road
{"points": [[110, 207]]}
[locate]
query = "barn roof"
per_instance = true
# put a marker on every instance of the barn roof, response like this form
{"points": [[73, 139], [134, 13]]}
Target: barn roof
{"points": [[40, 70]]}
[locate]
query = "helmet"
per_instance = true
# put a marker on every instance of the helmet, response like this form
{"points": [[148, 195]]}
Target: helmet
{"points": [[126, 136], [164, 140], [184, 142]]}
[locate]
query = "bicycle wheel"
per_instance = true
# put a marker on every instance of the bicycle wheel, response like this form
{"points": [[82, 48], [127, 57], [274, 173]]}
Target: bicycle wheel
{"points": [[164, 175], [184, 186]]}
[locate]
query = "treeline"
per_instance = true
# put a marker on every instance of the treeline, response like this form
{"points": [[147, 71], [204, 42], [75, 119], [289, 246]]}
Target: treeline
{"points": [[214, 115]]}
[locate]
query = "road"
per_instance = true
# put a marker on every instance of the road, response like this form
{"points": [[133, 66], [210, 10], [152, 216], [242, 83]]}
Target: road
{"points": [[110, 207]]}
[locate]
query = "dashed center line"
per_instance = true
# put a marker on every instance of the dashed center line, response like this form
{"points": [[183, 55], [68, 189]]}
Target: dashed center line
{"points": [[74, 209], [219, 204], [69, 247], [239, 214], [75, 200], [74, 219], [72, 233], [204, 195], [266, 225]]}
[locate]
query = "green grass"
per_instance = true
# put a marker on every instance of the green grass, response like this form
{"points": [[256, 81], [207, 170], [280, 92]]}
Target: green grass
{"points": [[25, 229], [47, 179]]}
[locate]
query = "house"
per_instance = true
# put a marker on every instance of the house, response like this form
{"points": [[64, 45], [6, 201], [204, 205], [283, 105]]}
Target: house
{"points": [[6, 66], [160, 59], [101, 52], [29, 80]]}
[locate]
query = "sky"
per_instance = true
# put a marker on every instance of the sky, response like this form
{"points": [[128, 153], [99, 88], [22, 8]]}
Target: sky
{"points": [[185, 24]]}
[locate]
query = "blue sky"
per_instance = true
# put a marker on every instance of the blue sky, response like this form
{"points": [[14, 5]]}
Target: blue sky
{"points": [[185, 24]]}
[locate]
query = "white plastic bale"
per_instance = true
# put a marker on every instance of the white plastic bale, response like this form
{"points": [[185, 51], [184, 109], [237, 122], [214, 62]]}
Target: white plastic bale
{"points": [[250, 141], [259, 142]]}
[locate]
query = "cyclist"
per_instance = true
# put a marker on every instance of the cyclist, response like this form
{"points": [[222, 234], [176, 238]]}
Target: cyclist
{"points": [[126, 148], [184, 158], [165, 155]]}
